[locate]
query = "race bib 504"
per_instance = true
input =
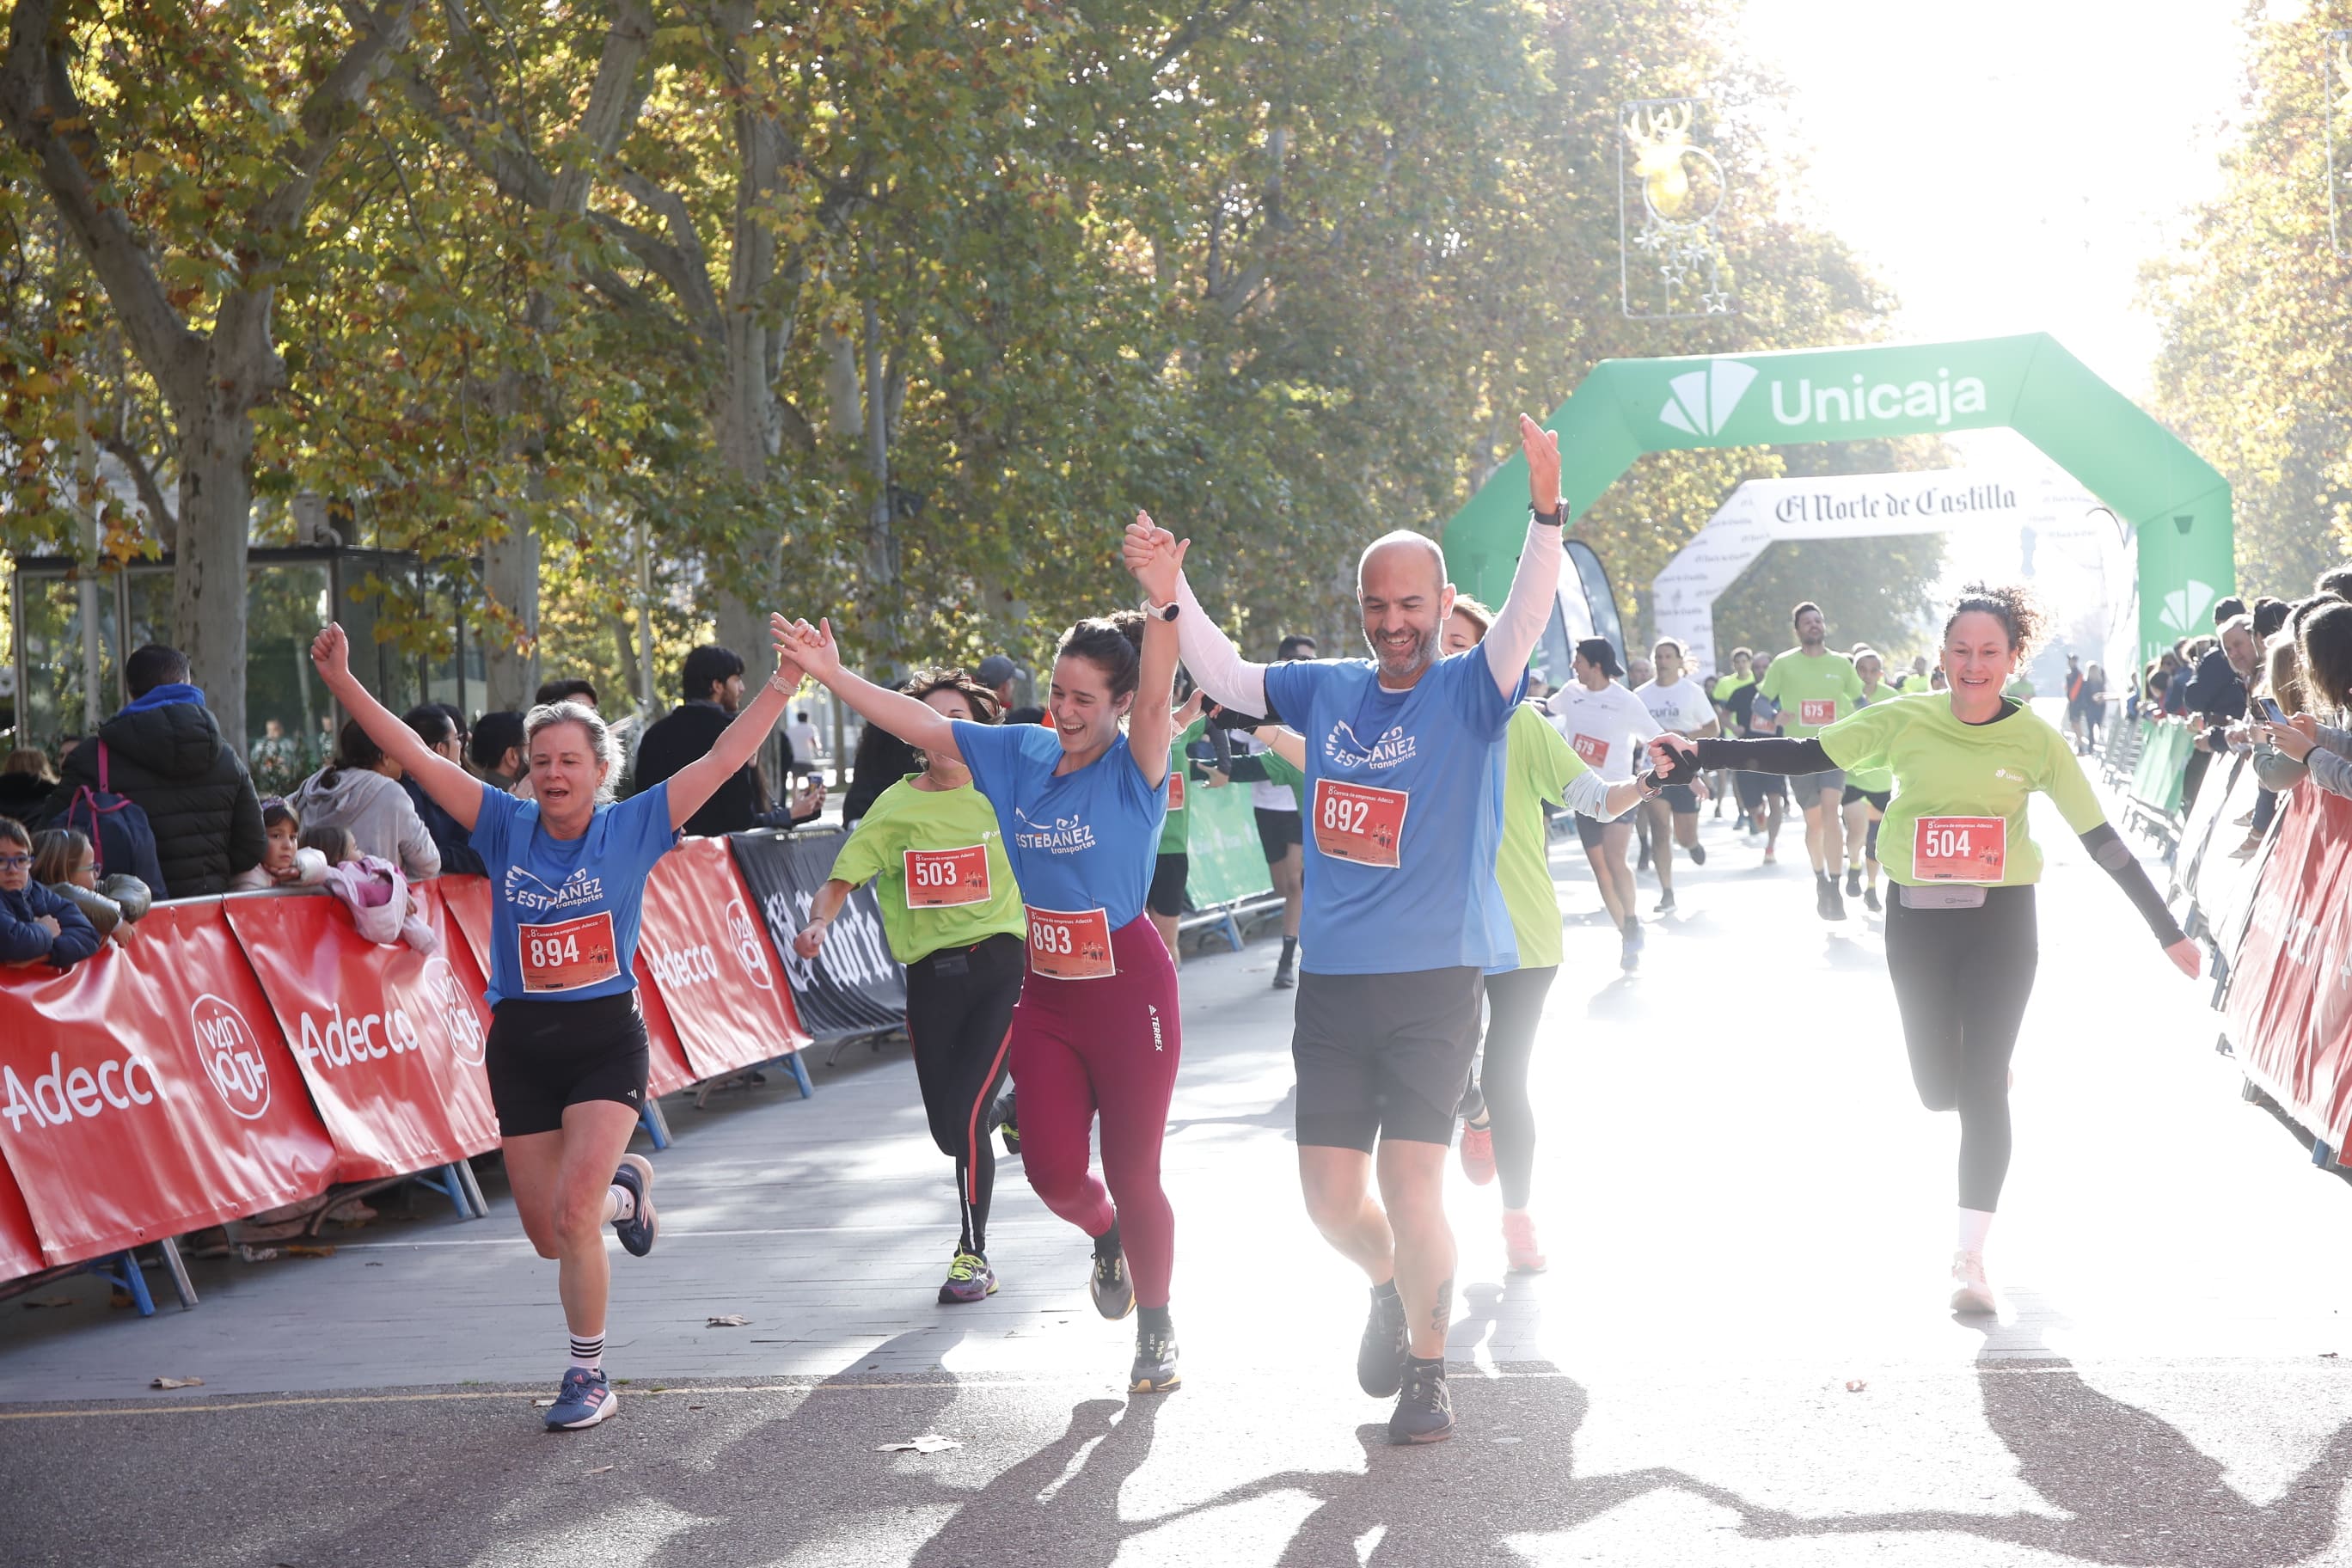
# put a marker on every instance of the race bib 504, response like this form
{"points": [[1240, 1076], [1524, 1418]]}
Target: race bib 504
{"points": [[1959, 848]]}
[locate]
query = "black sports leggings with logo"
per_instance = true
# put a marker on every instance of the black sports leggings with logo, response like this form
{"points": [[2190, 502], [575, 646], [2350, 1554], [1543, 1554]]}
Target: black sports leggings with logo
{"points": [[960, 1005], [1514, 1003], [1962, 978]]}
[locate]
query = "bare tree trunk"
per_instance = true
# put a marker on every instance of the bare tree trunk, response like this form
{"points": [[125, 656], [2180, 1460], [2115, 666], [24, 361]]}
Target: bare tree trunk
{"points": [[881, 537]]}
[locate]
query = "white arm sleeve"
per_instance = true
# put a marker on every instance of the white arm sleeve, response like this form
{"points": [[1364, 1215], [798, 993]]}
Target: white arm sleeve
{"points": [[1519, 623], [1587, 792], [1231, 681]]}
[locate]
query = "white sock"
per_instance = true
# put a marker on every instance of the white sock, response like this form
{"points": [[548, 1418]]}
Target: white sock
{"points": [[618, 1204], [1975, 1225], [588, 1351]]}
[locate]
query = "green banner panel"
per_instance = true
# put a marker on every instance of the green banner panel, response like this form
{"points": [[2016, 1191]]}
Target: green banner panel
{"points": [[1227, 862]]}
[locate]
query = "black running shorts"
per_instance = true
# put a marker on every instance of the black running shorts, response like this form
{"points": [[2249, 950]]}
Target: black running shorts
{"points": [[1755, 787], [544, 1054], [1680, 799], [1277, 831], [1383, 1056], [1166, 898], [1589, 829], [1808, 787], [1877, 797]]}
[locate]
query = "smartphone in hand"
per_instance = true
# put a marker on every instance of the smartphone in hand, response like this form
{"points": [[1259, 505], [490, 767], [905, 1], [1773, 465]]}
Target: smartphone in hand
{"points": [[2272, 710]]}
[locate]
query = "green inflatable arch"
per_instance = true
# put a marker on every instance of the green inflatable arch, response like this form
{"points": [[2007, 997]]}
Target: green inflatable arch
{"points": [[2174, 501]]}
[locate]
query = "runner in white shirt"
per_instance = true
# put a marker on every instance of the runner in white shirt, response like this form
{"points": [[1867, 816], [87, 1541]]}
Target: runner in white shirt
{"points": [[1678, 705], [1607, 726]]}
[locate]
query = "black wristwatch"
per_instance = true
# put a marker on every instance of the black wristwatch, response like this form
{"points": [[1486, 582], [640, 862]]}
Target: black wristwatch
{"points": [[1551, 518]]}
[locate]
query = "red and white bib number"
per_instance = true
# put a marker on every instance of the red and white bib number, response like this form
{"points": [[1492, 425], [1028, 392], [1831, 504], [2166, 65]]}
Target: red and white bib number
{"points": [[1070, 946], [1959, 848], [1590, 752], [1817, 710], [1175, 789], [947, 879], [569, 955], [1358, 822]]}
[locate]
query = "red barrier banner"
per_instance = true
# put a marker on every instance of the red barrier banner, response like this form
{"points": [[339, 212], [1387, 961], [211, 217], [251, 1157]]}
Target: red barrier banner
{"points": [[469, 902], [701, 951], [389, 1039], [20, 1244], [147, 1091], [2288, 1005]]}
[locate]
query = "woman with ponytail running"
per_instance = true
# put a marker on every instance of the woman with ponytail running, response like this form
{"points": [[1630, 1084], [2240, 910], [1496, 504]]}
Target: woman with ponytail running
{"points": [[1096, 1030], [1961, 944], [951, 915], [567, 1050]]}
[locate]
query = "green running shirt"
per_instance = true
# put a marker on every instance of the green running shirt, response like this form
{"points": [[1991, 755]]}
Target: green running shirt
{"points": [[1537, 767], [1946, 771], [1176, 831], [904, 819], [1827, 682]]}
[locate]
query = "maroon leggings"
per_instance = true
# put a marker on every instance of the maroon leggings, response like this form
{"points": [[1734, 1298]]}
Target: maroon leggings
{"points": [[1108, 1046]]}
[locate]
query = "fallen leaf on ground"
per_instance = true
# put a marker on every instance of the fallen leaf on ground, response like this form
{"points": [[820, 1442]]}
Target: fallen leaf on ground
{"points": [[1855, 1386], [177, 1383], [541, 1403], [729, 1320], [49, 1301], [300, 1250], [602, 1469], [929, 1443]]}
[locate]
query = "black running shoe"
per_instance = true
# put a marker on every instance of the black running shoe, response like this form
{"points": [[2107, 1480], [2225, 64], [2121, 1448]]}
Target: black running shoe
{"points": [[1110, 1284], [1379, 1360], [1284, 976], [1698, 852], [1824, 892], [1665, 906], [1007, 1117], [1870, 900], [1832, 903], [1424, 1413], [1854, 881], [1155, 1362]]}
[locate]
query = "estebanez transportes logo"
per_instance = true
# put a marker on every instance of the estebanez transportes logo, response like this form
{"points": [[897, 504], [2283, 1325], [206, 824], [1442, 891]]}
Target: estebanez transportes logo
{"points": [[1702, 400]]}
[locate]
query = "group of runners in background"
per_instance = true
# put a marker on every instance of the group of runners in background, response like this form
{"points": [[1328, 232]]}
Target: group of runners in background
{"points": [[1025, 882]]}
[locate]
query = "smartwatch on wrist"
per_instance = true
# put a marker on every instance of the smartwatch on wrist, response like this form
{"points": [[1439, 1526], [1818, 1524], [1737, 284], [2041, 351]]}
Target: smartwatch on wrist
{"points": [[1166, 612], [1552, 518]]}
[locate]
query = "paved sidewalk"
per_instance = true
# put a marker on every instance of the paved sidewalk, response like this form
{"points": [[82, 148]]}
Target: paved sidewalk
{"points": [[1740, 1355]]}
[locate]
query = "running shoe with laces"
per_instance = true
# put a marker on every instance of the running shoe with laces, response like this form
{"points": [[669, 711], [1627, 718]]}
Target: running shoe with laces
{"points": [[1870, 899], [1854, 881], [636, 1177], [1110, 1284], [1832, 902], [970, 1278], [1519, 1248], [1424, 1413], [1665, 906], [1006, 1114], [1698, 853], [1629, 957], [1971, 1292], [1381, 1356], [1478, 1154], [585, 1398], [1155, 1369]]}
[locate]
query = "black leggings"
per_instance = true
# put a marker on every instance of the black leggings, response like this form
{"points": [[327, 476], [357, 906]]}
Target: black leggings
{"points": [[960, 1016], [1961, 980], [1515, 1003]]}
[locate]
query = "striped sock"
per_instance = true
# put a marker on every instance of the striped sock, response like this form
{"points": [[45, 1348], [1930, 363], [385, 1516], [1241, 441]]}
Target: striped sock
{"points": [[588, 1352]]}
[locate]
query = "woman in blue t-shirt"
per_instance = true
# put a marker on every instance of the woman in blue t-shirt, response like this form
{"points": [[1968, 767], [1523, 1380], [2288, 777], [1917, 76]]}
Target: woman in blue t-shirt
{"points": [[1097, 1029], [566, 1055]]}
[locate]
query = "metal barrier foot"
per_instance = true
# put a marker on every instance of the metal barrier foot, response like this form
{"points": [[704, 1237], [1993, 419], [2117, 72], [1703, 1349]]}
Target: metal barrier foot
{"points": [[121, 1270], [181, 1286], [791, 1061], [657, 1125]]}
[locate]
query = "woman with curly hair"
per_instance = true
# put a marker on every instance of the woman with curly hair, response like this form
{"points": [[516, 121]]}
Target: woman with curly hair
{"points": [[1962, 943]]}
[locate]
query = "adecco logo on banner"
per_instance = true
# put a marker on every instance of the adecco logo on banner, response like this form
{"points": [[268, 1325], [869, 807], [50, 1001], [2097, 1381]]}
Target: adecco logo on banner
{"points": [[749, 951], [231, 1054], [1703, 402], [455, 1008], [341, 1039], [58, 1096]]}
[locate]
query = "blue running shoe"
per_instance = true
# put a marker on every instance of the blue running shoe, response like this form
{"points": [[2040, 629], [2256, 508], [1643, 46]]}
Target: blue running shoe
{"points": [[636, 1177], [585, 1399]]}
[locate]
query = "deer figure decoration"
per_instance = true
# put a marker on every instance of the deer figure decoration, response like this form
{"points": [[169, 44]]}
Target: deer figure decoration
{"points": [[1660, 137]]}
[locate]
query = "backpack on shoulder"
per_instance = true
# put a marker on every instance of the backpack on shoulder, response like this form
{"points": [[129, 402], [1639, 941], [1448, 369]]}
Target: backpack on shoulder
{"points": [[121, 840]]}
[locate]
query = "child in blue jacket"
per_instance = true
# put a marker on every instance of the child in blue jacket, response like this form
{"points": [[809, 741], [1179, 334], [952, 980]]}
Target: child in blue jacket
{"points": [[34, 923]]}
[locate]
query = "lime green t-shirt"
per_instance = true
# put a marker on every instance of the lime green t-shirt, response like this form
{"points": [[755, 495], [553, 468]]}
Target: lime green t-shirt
{"points": [[1945, 769], [1278, 771], [1793, 680], [1176, 828], [1874, 780], [1537, 767], [905, 818], [1726, 687]]}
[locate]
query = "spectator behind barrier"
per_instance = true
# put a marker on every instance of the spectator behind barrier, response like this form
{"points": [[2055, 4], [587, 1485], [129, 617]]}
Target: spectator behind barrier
{"points": [[361, 790], [165, 754], [371, 888], [712, 683], [497, 751], [2335, 583], [285, 864], [439, 732], [25, 781], [551, 692], [37, 926], [2324, 656]]}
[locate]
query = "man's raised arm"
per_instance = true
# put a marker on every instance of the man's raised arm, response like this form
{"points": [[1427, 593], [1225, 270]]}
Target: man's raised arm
{"points": [[1157, 558], [1519, 623]]}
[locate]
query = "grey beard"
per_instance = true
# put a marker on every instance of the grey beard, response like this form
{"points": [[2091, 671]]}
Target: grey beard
{"points": [[1423, 655]]}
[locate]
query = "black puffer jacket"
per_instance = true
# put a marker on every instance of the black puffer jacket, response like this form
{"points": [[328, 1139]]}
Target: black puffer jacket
{"points": [[172, 762]]}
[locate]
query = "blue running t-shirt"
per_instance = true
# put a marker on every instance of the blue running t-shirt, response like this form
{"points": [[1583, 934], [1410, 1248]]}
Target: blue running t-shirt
{"points": [[564, 911], [1404, 808], [1079, 841]]}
